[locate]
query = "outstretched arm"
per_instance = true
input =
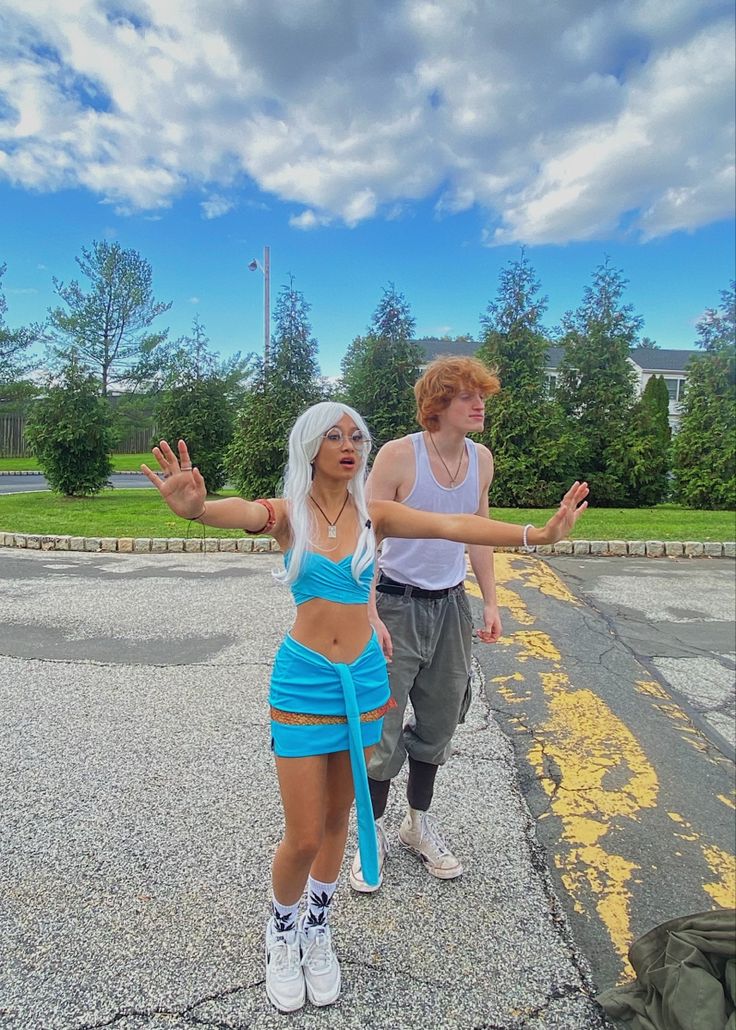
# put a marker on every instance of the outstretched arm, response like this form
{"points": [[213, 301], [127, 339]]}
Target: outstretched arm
{"points": [[482, 558], [184, 490], [391, 519]]}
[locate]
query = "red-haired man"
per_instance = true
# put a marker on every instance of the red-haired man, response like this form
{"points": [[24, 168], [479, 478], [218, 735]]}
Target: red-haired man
{"points": [[420, 611]]}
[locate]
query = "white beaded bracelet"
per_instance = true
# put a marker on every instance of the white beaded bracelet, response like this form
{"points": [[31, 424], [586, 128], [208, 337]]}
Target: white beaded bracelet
{"points": [[525, 543]]}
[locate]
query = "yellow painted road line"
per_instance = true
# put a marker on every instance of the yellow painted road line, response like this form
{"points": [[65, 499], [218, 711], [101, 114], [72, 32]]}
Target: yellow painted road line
{"points": [[590, 763]]}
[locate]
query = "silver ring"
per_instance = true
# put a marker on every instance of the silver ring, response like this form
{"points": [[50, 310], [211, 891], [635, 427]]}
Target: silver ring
{"points": [[186, 468]]}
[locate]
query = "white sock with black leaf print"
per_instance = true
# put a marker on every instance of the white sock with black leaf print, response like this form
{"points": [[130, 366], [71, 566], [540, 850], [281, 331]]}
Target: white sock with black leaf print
{"points": [[319, 897], [284, 916]]}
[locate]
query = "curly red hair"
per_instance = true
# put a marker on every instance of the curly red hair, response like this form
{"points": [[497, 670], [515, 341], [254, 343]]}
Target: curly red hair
{"points": [[445, 378]]}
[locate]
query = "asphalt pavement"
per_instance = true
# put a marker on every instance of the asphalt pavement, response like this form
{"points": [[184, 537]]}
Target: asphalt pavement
{"points": [[139, 814], [678, 619], [614, 682], [10, 484], [589, 797]]}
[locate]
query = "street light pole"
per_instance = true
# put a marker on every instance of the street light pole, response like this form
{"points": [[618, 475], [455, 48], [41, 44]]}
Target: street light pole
{"points": [[266, 269], [266, 306]]}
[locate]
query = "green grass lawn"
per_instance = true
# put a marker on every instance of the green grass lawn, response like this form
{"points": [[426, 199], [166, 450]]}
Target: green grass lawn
{"points": [[664, 522], [120, 463], [110, 513], [18, 464], [142, 513]]}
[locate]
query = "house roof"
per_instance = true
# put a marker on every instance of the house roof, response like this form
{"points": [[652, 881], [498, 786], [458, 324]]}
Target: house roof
{"points": [[435, 348], [649, 359], [653, 360]]}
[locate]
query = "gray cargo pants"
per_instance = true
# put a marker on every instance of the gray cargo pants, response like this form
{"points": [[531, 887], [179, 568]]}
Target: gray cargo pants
{"points": [[431, 667]]}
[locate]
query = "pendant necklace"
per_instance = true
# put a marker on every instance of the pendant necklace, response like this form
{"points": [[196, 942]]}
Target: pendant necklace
{"points": [[332, 526], [459, 464]]}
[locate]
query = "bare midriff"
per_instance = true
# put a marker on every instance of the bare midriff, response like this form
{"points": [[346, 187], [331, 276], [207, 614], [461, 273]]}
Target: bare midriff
{"points": [[340, 632]]}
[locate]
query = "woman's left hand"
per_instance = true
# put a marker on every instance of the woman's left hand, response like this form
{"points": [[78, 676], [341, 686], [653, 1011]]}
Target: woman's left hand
{"points": [[572, 506]]}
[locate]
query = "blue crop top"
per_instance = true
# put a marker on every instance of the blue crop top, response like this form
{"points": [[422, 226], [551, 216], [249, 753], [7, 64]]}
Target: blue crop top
{"points": [[329, 580]]}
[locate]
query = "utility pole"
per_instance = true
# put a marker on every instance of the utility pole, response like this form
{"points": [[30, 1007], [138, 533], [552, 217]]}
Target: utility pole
{"points": [[266, 269]]}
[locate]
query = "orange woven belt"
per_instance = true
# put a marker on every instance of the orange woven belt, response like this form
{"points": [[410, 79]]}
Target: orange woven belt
{"points": [[307, 719]]}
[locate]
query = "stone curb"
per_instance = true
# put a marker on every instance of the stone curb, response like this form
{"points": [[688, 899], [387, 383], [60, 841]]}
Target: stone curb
{"points": [[138, 545], [260, 545]]}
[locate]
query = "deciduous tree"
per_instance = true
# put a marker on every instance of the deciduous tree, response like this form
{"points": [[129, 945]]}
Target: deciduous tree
{"points": [[109, 322]]}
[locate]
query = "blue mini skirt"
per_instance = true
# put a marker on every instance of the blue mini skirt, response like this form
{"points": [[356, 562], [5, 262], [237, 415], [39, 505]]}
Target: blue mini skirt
{"points": [[319, 707]]}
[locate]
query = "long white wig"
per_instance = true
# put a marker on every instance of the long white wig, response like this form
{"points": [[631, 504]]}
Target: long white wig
{"points": [[305, 440]]}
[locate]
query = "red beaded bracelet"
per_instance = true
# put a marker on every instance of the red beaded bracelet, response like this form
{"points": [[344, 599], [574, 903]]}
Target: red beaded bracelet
{"points": [[270, 521]]}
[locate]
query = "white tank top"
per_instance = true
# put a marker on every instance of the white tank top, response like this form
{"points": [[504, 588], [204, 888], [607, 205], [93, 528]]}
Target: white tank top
{"points": [[433, 564]]}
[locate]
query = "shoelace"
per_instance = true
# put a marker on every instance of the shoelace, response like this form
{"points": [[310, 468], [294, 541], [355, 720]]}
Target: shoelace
{"points": [[284, 956], [429, 829], [318, 956]]}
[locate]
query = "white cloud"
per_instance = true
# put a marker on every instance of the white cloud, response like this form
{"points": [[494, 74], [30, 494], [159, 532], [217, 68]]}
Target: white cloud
{"points": [[216, 206], [308, 220], [194, 300], [563, 121]]}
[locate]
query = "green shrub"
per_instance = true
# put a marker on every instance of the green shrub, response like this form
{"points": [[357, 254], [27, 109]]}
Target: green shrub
{"points": [[197, 411], [70, 433]]}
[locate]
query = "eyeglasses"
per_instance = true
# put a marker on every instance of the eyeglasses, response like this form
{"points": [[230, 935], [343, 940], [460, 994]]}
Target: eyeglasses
{"points": [[357, 438]]}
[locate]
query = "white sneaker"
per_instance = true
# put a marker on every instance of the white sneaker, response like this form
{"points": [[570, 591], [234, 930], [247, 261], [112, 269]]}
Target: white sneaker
{"points": [[356, 870], [319, 962], [420, 835], [284, 976]]}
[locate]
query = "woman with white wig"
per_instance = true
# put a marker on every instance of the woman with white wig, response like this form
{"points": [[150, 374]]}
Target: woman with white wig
{"points": [[329, 687]]}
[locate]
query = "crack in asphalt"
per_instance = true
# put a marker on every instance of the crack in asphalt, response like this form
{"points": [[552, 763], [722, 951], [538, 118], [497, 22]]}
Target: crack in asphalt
{"points": [[185, 1012], [149, 665], [556, 994]]}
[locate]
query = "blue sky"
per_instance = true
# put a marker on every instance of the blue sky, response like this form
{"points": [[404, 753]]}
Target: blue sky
{"points": [[419, 143]]}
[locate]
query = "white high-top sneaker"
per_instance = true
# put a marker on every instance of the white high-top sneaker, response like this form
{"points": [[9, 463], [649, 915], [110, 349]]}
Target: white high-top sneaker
{"points": [[356, 870], [284, 976], [420, 835]]}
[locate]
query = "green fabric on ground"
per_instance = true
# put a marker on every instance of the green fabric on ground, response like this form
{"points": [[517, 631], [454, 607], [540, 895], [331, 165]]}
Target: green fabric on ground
{"points": [[685, 976]]}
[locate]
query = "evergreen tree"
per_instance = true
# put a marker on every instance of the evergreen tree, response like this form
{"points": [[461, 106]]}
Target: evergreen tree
{"points": [[379, 370], [705, 446], [70, 432], [649, 452], [197, 403], [596, 386], [276, 396], [109, 324], [15, 361], [527, 433]]}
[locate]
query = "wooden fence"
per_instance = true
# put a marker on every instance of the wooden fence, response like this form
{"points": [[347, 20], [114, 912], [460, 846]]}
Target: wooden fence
{"points": [[12, 436], [137, 441], [13, 442]]}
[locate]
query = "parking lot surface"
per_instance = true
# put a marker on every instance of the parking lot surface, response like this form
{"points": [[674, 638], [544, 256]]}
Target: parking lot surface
{"points": [[139, 814]]}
